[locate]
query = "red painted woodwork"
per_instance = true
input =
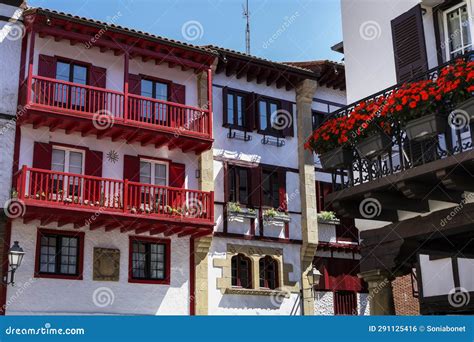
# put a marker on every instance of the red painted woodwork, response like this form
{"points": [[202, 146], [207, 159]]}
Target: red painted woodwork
{"points": [[177, 175], [97, 77], [178, 93], [345, 303], [167, 243], [47, 66], [131, 168], [42, 154], [339, 274], [134, 84], [93, 167], [66, 190], [80, 261]]}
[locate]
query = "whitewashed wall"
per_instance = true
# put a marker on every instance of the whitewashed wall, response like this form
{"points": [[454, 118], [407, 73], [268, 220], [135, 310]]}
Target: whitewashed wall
{"points": [[60, 296], [369, 59], [324, 304]]}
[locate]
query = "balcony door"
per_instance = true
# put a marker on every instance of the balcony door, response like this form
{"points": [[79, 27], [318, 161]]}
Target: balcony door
{"points": [[154, 173], [155, 112], [458, 29], [67, 95], [68, 186]]}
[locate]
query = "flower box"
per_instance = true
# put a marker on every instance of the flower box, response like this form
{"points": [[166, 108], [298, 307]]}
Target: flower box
{"points": [[374, 145], [336, 158], [242, 212], [466, 107], [426, 127], [276, 217]]}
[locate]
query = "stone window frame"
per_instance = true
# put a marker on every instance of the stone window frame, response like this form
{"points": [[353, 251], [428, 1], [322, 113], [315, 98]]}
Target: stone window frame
{"points": [[255, 253]]}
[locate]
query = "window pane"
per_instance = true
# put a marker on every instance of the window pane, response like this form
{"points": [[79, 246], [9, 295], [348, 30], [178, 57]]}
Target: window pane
{"points": [[230, 108], [79, 74], [58, 160], [145, 172], [262, 109], [466, 32], [161, 91], [48, 254], [232, 185], [75, 162], [240, 111], [160, 174], [147, 88], [62, 71], [243, 186]]}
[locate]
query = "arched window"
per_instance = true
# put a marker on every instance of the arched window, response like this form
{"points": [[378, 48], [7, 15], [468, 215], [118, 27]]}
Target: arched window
{"points": [[241, 271], [268, 272]]}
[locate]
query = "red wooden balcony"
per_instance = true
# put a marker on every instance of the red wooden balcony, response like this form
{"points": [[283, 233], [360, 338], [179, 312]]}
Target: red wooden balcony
{"points": [[97, 202], [107, 113]]}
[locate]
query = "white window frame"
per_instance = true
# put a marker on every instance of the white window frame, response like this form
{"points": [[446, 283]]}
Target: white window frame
{"points": [[67, 151], [154, 162], [445, 27]]}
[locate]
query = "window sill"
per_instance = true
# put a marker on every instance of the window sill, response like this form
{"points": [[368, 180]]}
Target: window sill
{"points": [[58, 276], [149, 281], [256, 292]]}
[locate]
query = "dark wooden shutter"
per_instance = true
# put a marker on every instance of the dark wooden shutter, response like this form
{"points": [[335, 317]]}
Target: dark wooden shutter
{"points": [[250, 112], [42, 154], [224, 107], [47, 66], [93, 167], [177, 175], [256, 186], [346, 230], [282, 189], [178, 93], [288, 130], [97, 77], [409, 45], [134, 84], [131, 168]]}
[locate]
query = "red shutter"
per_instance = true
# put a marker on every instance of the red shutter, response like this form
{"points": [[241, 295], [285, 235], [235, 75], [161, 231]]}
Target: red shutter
{"points": [[93, 167], [134, 84], [177, 175], [256, 186], [42, 155], [282, 189], [250, 112], [97, 77], [178, 93], [131, 168], [287, 107], [225, 122], [47, 66]]}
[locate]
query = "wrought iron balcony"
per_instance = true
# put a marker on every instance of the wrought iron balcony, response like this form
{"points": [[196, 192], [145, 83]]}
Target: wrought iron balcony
{"points": [[111, 203]]}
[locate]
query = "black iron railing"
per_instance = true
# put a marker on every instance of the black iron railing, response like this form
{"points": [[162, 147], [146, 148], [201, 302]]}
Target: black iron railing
{"points": [[403, 154]]}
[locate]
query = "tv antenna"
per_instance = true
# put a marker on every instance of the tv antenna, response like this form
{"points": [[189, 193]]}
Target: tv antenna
{"points": [[246, 14]]}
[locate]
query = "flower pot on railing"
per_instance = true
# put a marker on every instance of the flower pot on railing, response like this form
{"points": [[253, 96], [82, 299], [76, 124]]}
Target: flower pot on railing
{"points": [[374, 145], [272, 215], [234, 210], [426, 127], [336, 158]]}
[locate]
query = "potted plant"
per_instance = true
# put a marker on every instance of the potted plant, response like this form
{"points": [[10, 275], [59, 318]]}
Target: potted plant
{"points": [[331, 142], [328, 217], [235, 210], [275, 215]]}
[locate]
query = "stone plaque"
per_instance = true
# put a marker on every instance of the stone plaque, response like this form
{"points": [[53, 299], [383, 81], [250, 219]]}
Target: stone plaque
{"points": [[106, 264]]}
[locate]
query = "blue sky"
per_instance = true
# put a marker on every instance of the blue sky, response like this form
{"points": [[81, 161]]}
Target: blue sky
{"points": [[282, 30]]}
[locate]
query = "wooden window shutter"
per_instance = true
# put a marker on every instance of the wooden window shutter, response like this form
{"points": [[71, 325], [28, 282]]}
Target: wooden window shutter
{"points": [[47, 66], [256, 186], [93, 167], [282, 189], [178, 93], [250, 111], [409, 45], [131, 168], [177, 175], [42, 155], [288, 130], [134, 84], [224, 107], [97, 77]]}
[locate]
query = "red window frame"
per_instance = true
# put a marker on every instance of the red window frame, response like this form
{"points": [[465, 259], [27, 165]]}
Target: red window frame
{"points": [[167, 243], [80, 257], [235, 184], [268, 268], [236, 269]]}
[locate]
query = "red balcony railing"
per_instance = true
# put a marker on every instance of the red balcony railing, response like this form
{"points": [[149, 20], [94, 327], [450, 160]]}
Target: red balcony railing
{"points": [[47, 93], [110, 195]]}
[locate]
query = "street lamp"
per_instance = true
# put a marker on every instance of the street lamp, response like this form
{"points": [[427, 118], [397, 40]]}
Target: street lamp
{"points": [[314, 277], [15, 257]]}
